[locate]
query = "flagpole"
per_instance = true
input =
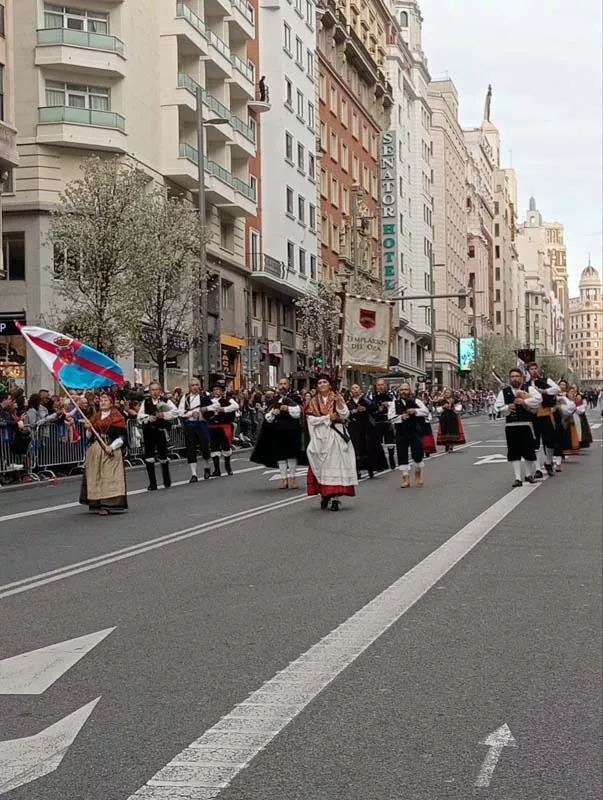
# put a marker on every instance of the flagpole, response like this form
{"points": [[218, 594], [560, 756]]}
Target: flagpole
{"points": [[88, 425]]}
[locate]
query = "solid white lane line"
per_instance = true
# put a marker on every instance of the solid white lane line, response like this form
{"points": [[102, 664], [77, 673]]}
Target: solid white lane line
{"points": [[49, 509], [211, 762], [456, 449], [34, 581]]}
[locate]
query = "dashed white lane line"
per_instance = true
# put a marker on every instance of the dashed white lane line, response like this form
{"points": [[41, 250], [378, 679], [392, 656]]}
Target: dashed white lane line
{"points": [[211, 762], [49, 509]]}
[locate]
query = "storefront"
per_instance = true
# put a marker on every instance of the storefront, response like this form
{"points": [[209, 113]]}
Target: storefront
{"points": [[230, 360], [13, 352]]}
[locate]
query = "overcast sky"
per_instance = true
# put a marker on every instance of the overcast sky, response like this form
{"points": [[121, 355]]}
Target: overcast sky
{"points": [[543, 59]]}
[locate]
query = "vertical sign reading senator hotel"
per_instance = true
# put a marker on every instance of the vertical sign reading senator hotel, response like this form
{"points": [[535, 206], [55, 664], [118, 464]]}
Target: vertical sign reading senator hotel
{"points": [[389, 210]]}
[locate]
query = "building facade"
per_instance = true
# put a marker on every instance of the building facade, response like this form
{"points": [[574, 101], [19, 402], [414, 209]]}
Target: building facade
{"points": [[558, 257], [110, 77], [586, 329], [538, 281], [411, 186], [449, 165], [355, 100], [508, 306]]}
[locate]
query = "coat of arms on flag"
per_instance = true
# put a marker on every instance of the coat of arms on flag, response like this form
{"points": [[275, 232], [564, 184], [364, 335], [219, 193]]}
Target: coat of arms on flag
{"points": [[368, 318]]}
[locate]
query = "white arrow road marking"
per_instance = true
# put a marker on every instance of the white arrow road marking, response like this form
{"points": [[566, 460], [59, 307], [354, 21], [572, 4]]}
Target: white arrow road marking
{"points": [[496, 741], [25, 760], [494, 458], [211, 762], [596, 425], [36, 671]]}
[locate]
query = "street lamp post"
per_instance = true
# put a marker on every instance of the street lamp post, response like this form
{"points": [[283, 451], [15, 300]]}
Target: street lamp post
{"points": [[200, 302]]}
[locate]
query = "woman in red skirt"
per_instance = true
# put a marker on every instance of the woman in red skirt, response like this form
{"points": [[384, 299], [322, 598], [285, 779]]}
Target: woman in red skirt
{"points": [[450, 431]]}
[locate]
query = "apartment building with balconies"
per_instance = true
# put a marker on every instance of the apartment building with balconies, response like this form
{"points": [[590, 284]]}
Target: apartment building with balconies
{"points": [[109, 76], [8, 135], [283, 253], [355, 102]]}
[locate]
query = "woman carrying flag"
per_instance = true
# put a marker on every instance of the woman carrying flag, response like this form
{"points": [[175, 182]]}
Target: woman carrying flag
{"points": [[104, 483]]}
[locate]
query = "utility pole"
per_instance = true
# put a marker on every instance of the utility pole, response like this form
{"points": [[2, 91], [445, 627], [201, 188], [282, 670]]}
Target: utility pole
{"points": [[432, 321], [474, 335], [200, 307]]}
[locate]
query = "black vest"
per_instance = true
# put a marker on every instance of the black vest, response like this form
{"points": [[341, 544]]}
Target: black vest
{"points": [[150, 408], [519, 413], [376, 400], [548, 400], [285, 422], [402, 404]]}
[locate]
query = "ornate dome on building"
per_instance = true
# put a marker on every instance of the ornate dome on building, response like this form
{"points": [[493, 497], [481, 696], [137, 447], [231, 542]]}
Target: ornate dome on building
{"points": [[590, 276]]}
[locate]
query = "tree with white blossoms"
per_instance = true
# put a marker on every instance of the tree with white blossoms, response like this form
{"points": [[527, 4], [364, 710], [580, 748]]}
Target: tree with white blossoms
{"points": [[318, 315], [495, 353], [125, 253]]}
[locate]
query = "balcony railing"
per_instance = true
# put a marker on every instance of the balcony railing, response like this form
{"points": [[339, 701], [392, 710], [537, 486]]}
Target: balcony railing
{"points": [[245, 9], [182, 10], [273, 266], [242, 67], [219, 44], [81, 116], [95, 41], [247, 131], [192, 154], [186, 82]]}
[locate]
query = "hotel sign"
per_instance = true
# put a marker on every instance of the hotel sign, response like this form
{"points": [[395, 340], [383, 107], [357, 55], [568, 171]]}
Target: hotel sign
{"points": [[389, 210]]}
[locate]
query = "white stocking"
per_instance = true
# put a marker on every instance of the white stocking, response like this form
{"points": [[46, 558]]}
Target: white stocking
{"points": [[517, 469], [282, 466]]}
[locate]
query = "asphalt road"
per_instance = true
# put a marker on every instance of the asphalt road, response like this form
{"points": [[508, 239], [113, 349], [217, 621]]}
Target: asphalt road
{"points": [[398, 637]]}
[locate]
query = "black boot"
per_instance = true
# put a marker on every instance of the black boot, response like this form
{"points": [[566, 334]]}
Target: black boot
{"points": [[165, 474], [150, 465], [206, 474], [216, 473], [392, 460], [324, 502], [227, 466], [335, 504]]}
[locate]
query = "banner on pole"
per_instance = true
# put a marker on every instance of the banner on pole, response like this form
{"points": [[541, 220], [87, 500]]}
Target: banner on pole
{"points": [[366, 334]]}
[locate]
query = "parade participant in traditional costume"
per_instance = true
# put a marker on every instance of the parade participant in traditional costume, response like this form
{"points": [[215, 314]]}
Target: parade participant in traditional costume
{"points": [[586, 437], [369, 454], [104, 482], [409, 410], [221, 414], [519, 406], [279, 442], [547, 433], [429, 445], [571, 429], [156, 415], [450, 430], [191, 411], [382, 410], [331, 457]]}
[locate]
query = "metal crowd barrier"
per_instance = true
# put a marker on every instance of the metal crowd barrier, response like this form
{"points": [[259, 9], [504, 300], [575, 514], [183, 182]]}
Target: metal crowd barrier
{"points": [[60, 448]]}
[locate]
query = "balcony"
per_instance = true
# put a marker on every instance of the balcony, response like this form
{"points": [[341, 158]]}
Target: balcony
{"points": [[242, 85], [186, 95], [359, 56], [8, 147], [222, 189], [261, 103], [271, 273], [218, 62], [241, 19], [191, 30], [67, 50], [82, 127], [243, 140]]}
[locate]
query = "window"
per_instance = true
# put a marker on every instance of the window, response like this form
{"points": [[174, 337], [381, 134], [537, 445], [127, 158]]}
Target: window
{"points": [[471, 251], [497, 251], [345, 157], [355, 124], [310, 63], [334, 192], [289, 147], [302, 261], [311, 122], [1, 89], [365, 178], [75, 19], [322, 86], [497, 273], [356, 169], [335, 238], [253, 185], [301, 157], [498, 318], [344, 112], [287, 43], [311, 167], [497, 229], [496, 207], [291, 256], [289, 93], [300, 105], [227, 296], [324, 186], [345, 200], [301, 209], [365, 132], [76, 96], [309, 13], [313, 268], [334, 146], [13, 250], [227, 235], [312, 215], [254, 251], [333, 99], [404, 19], [2, 33], [323, 136], [299, 52], [289, 201], [498, 295]]}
